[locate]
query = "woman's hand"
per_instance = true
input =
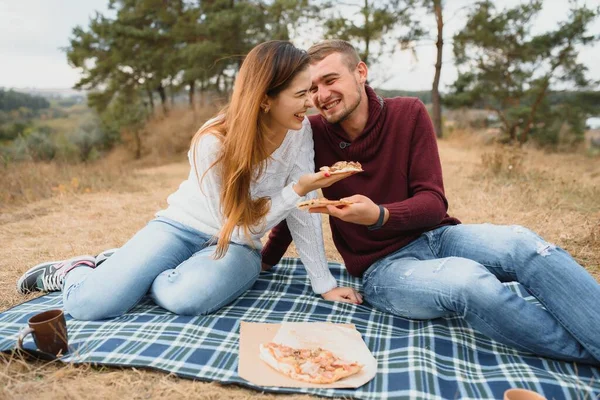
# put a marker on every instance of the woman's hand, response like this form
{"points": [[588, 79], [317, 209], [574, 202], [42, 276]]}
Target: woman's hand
{"points": [[343, 294], [309, 182]]}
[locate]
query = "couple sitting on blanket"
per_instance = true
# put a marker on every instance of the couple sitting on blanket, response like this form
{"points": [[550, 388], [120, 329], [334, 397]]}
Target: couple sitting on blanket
{"points": [[251, 165]]}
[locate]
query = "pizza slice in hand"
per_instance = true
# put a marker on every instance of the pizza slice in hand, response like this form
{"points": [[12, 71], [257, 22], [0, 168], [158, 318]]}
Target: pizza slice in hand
{"points": [[307, 365], [343, 167], [321, 202]]}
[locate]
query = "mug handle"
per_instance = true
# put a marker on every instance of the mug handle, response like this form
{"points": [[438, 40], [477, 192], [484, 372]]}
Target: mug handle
{"points": [[22, 335]]}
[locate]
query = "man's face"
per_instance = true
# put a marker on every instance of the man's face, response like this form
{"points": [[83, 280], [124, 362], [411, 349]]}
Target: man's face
{"points": [[336, 90]]}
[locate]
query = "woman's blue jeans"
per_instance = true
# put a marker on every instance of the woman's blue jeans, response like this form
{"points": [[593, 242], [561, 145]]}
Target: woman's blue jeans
{"points": [[172, 262]]}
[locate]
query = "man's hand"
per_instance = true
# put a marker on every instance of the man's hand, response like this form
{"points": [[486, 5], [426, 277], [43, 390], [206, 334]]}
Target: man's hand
{"points": [[343, 294], [362, 212]]}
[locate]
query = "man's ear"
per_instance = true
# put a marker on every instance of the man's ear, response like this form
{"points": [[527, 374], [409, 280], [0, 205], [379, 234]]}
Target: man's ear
{"points": [[363, 72]]}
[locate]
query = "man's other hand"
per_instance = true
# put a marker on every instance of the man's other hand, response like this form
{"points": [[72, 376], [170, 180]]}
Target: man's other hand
{"points": [[362, 212]]}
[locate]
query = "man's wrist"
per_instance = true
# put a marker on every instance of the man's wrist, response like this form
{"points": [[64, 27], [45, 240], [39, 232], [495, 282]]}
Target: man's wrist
{"points": [[381, 220]]}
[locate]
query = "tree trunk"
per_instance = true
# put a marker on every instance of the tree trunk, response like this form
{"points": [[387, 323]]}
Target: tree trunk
{"points": [[367, 32], [542, 93], [151, 100], [203, 87], [138, 143], [512, 132], [191, 93], [163, 98], [538, 100], [218, 83], [435, 93]]}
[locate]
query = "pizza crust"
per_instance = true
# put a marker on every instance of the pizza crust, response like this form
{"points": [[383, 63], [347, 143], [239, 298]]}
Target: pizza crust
{"points": [[268, 357], [322, 202], [343, 167]]}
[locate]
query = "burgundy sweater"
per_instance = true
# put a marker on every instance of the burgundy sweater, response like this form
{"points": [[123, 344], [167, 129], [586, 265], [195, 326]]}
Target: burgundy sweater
{"points": [[402, 171]]}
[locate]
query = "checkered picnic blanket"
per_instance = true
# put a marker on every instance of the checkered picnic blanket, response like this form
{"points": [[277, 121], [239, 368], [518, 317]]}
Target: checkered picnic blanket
{"points": [[438, 359]]}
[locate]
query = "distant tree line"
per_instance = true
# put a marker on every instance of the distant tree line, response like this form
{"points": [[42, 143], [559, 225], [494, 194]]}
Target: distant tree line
{"points": [[12, 100], [588, 98], [150, 50], [143, 54]]}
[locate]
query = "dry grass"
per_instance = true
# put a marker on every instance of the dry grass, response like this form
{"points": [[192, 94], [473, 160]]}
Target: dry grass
{"points": [[29, 182], [553, 194], [23, 380], [165, 140]]}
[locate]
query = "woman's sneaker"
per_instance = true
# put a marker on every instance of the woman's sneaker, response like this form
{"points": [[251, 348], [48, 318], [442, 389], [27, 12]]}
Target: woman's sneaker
{"points": [[50, 276], [100, 258]]}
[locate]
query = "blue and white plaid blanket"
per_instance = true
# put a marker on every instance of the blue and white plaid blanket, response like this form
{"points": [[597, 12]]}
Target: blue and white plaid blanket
{"points": [[438, 359]]}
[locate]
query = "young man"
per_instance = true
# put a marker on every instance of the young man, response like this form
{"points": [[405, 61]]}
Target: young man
{"points": [[415, 260]]}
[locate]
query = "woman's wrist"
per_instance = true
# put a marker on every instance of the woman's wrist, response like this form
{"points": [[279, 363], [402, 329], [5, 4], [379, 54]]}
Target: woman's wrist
{"points": [[299, 189]]}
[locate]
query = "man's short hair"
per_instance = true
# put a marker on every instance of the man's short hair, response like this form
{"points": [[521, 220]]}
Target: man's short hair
{"points": [[319, 51]]}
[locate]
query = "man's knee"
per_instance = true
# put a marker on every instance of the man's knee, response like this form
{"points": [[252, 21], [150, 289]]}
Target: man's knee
{"points": [[463, 269], [465, 277], [526, 244]]}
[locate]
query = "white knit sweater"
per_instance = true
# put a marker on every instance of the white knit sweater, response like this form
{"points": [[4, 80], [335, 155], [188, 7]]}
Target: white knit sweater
{"points": [[198, 206]]}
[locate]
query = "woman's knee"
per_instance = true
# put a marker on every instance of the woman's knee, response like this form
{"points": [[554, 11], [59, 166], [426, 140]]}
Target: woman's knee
{"points": [[190, 294], [183, 305], [202, 302]]}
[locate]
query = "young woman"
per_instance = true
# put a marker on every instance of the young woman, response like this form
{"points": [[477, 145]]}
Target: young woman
{"points": [[250, 165]]}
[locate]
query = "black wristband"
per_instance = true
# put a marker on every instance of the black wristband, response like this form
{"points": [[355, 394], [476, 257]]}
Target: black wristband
{"points": [[379, 222]]}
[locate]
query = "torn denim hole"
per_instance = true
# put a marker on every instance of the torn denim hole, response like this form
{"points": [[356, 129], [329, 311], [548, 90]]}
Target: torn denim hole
{"points": [[439, 267], [544, 249], [172, 276], [72, 288], [408, 273]]}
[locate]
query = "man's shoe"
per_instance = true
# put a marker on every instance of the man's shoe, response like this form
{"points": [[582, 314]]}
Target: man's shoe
{"points": [[50, 276], [100, 258]]}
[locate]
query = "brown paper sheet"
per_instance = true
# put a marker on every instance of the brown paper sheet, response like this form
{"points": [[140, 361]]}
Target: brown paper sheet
{"points": [[342, 339]]}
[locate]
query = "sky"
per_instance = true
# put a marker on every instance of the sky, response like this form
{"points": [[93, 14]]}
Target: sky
{"points": [[33, 33]]}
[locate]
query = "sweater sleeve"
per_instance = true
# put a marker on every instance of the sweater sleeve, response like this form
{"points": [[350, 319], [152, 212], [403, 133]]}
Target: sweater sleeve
{"points": [[306, 228], [427, 204], [281, 205]]}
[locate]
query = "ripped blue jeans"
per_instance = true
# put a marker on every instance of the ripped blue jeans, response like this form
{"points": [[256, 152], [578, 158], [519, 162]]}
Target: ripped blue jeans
{"points": [[459, 270]]}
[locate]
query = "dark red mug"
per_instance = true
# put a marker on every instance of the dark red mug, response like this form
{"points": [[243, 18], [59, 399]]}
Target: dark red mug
{"points": [[49, 331]]}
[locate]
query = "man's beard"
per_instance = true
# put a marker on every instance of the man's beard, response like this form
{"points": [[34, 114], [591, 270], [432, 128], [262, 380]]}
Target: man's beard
{"points": [[347, 111]]}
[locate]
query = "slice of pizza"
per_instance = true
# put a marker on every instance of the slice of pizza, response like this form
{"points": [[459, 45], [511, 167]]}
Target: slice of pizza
{"points": [[321, 202], [307, 365], [342, 167]]}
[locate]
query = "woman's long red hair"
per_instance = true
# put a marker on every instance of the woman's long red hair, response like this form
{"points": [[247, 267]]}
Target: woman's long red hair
{"points": [[267, 70]]}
